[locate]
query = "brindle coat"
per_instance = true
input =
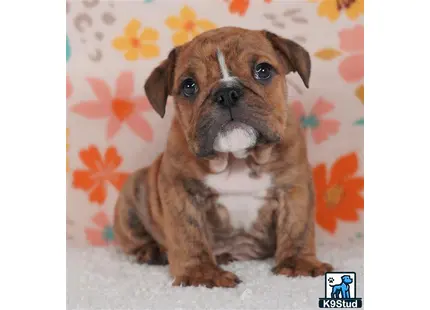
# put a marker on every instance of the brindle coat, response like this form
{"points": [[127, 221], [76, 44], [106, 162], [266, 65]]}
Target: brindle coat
{"points": [[165, 213]]}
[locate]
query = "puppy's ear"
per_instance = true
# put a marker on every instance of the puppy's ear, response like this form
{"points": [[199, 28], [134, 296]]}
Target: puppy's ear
{"points": [[295, 57], [159, 84]]}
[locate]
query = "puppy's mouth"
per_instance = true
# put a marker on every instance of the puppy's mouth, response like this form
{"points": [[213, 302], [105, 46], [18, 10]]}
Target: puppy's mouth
{"points": [[235, 136], [231, 136]]}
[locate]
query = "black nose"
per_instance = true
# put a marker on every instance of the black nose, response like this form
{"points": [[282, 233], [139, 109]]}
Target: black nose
{"points": [[228, 96]]}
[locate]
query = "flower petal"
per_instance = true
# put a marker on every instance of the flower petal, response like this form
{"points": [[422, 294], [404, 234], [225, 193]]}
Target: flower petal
{"points": [[319, 175], [118, 179], [124, 85], [142, 103], [355, 185], [173, 22], [121, 43], [114, 124], [132, 28], [100, 219], [112, 158], [205, 24], [352, 68], [346, 212], [149, 50], [82, 179], [347, 208], [328, 8], [328, 53], [98, 194], [357, 201], [95, 237], [132, 54], [187, 14], [149, 34], [322, 107], [352, 39], [91, 158], [344, 167], [140, 127], [359, 92], [355, 10], [326, 220], [331, 126], [69, 87], [91, 109], [180, 37], [239, 6], [100, 89], [195, 32], [325, 129]]}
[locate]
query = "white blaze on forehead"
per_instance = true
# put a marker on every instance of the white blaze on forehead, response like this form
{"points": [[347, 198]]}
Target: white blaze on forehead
{"points": [[223, 67]]}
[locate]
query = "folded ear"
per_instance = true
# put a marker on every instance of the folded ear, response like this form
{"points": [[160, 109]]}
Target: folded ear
{"points": [[296, 58], [159, 84]]}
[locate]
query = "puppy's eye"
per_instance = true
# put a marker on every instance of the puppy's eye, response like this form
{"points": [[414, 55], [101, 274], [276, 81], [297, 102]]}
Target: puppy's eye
{"points": [[263, 71], [189, 87]]}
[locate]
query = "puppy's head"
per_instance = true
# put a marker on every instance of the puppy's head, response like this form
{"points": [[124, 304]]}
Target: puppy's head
{"points": [[229, 88]]}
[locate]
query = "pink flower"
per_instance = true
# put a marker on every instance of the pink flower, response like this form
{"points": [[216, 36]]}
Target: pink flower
{"points": [[320, 128], [121, 108], [69, 87], [103, 235], [352, 41]]}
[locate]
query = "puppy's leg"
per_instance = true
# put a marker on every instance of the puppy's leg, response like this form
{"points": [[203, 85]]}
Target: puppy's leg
{"points": [[130, 231], [191, 260], [224, 259], [295, 232]]}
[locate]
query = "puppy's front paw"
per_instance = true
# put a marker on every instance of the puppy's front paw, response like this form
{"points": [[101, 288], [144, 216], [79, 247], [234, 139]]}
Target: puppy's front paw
{"points": [[294, 267], [209, 276]]}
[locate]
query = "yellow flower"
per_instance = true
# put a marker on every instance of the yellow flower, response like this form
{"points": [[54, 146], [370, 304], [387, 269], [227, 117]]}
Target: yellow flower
{"points": [[137, 45], [67, 149], [332, 8], [187, 26], [359, 92]]}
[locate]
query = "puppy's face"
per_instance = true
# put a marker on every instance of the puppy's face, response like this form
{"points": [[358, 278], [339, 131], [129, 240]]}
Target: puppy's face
{"points": [[229, 88]]}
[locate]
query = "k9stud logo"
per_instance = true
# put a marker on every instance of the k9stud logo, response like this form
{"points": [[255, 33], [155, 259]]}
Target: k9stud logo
{"points": [[340, 291]]}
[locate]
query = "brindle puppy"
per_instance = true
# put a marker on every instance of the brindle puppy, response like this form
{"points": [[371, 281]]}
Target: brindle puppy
{"points": [[234, 182]]}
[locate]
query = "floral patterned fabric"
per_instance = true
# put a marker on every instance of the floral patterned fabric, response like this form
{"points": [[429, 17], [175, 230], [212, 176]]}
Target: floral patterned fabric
{"points": [[112, 46]]}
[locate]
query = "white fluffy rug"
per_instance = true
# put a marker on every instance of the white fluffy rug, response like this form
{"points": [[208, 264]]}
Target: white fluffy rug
{"points": [[100, 278]]}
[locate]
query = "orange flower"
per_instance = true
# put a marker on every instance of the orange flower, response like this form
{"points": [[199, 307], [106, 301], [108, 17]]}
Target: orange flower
{"points": [[100, 171], [239, 6], [339, 197], [102, 235]]}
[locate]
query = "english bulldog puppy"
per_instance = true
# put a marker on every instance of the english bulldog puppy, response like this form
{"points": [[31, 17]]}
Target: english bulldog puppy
{"points": [[234, 182]]}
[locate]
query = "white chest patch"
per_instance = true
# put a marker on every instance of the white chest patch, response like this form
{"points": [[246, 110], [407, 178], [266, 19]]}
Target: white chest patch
{"points": [[239, 193]]}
